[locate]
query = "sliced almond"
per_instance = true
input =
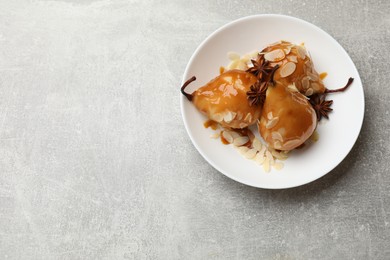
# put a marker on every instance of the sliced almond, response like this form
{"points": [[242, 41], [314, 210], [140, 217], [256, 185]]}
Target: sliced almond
{"points": [[263, 149], [229, 116], [301, 52], [293, 58], [271, 123], [217, 117], [269, 156], [242, 125], [228, 137], [215, 135], [278, 166], [233, 64], [266, 165], [313, 76], [315, 86], [228, 79], [273, 64], [243, 149], [242, 65], [275, 55], [239, 116], [277, 145], [250, 154], [233, 55], [234, 134], [282, 131], [291, 143], [269, 115], [309, 92], [279, 155], [305, 83], [248, 118], [238, 84], [257, 144], [259, 158], [276, 136], [287, 69], [292, 87], [240, 141], [287, 50]]}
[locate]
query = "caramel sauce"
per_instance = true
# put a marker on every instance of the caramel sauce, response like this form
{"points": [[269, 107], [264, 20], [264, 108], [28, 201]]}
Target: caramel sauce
{"points": [[295, 115], [323, 75], [223, 140], [242, 132], [227, 93], [301, 69], [210, 123]]}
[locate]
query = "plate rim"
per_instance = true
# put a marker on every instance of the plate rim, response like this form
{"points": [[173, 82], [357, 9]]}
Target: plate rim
{"points": [[223, 27]]}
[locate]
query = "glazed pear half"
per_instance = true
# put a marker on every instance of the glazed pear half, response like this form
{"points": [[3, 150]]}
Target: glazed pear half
{"points": [[287, 119], [224, 99]]}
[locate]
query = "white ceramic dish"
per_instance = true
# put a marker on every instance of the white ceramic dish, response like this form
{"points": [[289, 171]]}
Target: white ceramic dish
{"points": [[337, 135]]}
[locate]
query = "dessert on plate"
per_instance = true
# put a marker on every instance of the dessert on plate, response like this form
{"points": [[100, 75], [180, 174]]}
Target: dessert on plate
{"points": [[277, 91]]}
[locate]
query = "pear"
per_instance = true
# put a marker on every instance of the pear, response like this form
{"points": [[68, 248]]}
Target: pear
{"points": [[224, 99], [287, 118], [295, 66]]}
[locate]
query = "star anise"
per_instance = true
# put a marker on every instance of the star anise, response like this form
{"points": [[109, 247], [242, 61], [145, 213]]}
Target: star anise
{"points": [[256, 95], [321, 105], [265, 77], [258, 66]]}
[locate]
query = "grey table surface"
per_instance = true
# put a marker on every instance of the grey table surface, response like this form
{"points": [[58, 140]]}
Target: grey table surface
{"points": [[95, 162]]}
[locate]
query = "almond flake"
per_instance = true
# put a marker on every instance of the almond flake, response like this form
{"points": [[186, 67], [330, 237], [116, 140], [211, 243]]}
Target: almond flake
{"points": [[309, 92], [315, 86], [279, 155], [259, 158], [269, 156], [229, 116], [301, 52], [233, 64], [292, 144], [278, 166], [293, 58], [242, 65], [275, 55], [257, 144], [313, 76], [248, 118], [240, 140], [287, 69], [277, 145], [217, 117], [243, 125], [215, 135], [228, 137], [305, 83], [239, 116], [269, 115], [250, 154], [266, 165], [243, 149], [233, 55], [292, 87], [271, 123], [277, 136], [234, 134]]}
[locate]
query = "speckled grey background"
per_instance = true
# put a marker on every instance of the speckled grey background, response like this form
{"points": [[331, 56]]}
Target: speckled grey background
{"points": [[95, 162]]}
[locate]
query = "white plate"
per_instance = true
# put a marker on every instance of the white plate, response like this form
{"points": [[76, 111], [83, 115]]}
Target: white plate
{"points": [[337, 136]]}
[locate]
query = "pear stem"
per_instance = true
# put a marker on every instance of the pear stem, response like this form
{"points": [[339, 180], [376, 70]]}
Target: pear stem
{"points": [[188, 96], [350, 80]]}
